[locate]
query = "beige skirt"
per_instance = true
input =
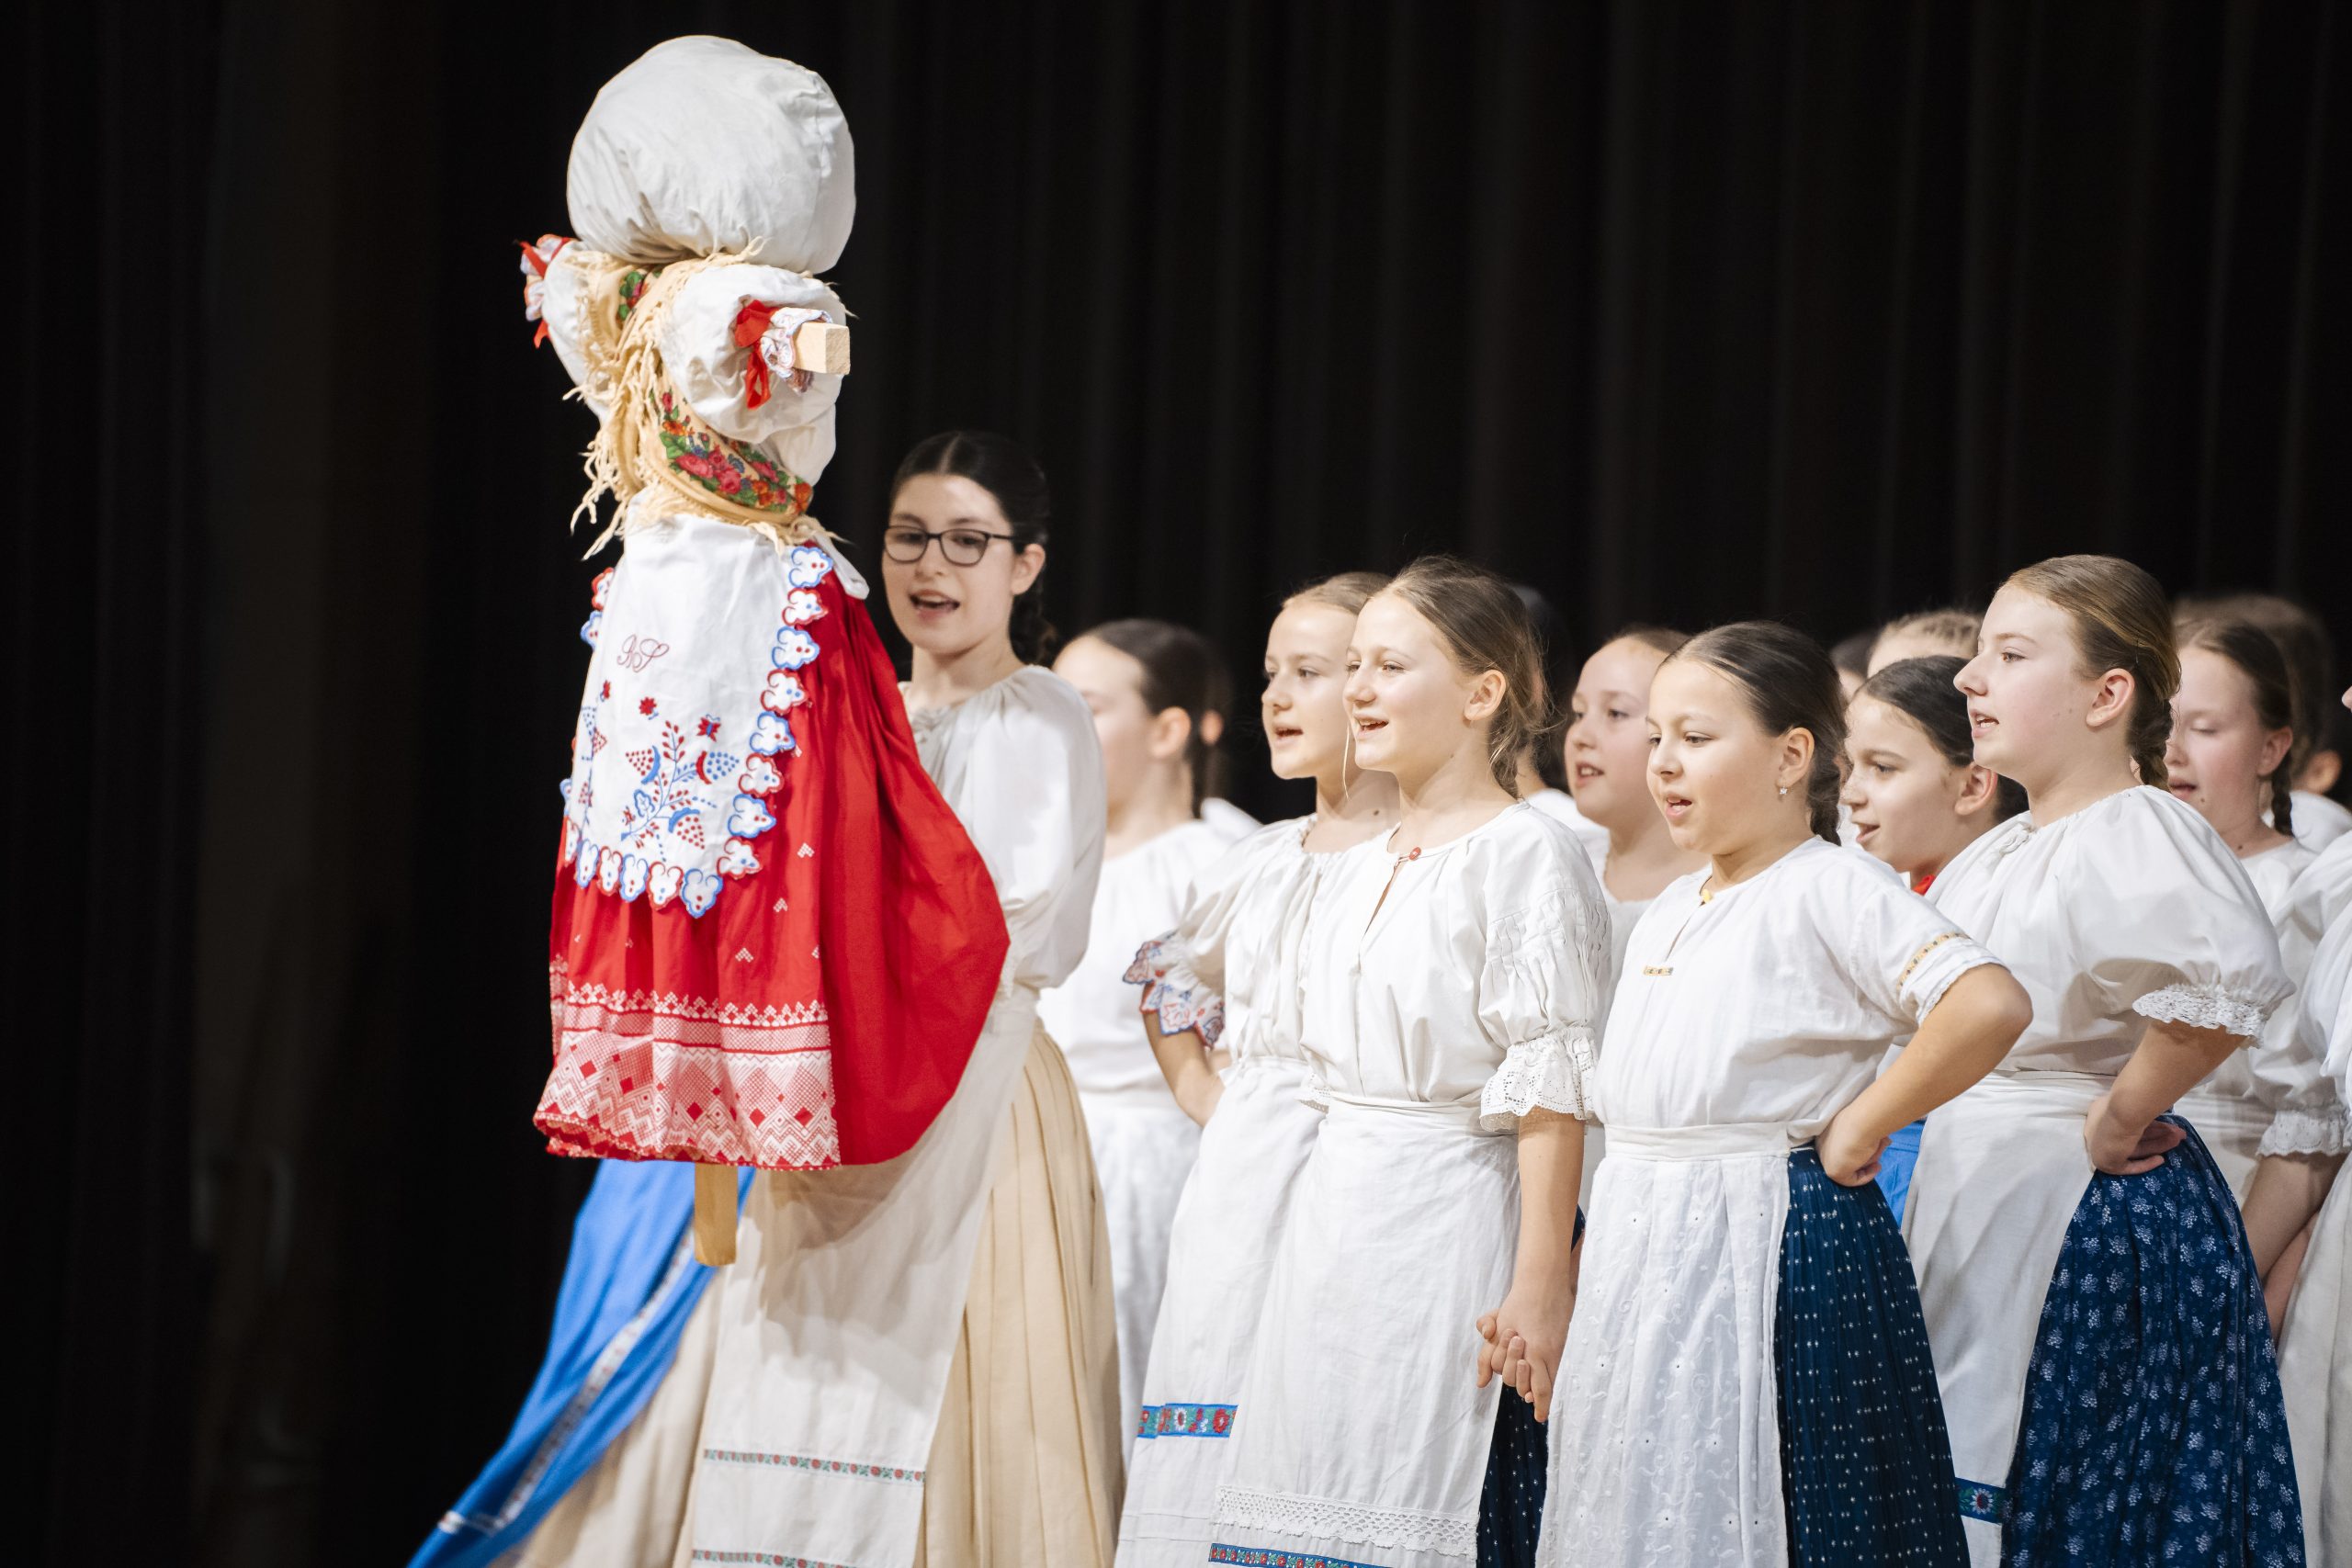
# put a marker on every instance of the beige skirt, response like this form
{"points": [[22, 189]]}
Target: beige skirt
{"points": [[1026, 1466]]}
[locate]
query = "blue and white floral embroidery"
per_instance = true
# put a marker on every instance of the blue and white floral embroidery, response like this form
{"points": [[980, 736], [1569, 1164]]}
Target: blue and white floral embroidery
{"points": [[794, 649], [809, 567], [783, 692], [683, 785], [674, 775], [771, 734], [594, 624]]}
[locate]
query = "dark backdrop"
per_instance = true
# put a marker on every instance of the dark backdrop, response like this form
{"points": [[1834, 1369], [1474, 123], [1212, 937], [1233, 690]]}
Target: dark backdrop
{"points": [[1679, 312]]}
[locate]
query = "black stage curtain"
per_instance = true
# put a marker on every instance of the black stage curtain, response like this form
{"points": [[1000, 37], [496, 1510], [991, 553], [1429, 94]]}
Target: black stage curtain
{"points": [[1677, 311]]}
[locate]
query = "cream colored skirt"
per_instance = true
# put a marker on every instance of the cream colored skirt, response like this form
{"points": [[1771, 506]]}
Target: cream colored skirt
{"points": [[1026, 1467]]}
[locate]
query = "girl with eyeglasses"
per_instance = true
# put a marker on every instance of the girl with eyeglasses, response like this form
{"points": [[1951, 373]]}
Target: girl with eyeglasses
{"points": [[934, 1337]]}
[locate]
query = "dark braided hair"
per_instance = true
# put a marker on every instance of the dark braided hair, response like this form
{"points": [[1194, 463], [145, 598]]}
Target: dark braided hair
{"points": [[1921, 690], [1790, 683], [2264, 662], [1001, 467], [2302, 638]]}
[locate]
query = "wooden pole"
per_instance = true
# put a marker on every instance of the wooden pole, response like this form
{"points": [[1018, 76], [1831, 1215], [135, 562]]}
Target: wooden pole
{"points": [[714, 1213]]}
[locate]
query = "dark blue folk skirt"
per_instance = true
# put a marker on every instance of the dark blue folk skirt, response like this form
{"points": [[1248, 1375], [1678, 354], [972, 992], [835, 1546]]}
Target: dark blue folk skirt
{"points": [[1518, 1466], [2153, 1431], [1866, 1473]]}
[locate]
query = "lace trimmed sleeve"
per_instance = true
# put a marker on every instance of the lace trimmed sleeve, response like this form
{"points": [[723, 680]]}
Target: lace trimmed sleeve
{"points": [[1170, 989], [1540, 994]]}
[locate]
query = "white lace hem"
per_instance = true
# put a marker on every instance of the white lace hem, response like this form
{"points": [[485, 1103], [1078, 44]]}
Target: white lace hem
{"points": [[2296, 1131], [1326, 1519], [2203, 1006], [1550, 1072]]}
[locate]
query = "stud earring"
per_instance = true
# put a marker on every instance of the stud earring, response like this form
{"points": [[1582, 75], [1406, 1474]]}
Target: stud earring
{"points": [[1784, 789]]}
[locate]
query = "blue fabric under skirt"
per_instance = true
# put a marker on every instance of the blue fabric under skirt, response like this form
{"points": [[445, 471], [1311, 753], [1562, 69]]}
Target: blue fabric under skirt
{"points": [[1895, 1165], [2153, 1431], [1866, 1470], [629, 1286], [1519, 1467], [1510, 1509]]}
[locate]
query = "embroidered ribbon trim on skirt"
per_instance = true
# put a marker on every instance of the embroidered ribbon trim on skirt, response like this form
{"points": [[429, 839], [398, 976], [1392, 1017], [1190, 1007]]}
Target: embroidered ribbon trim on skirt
{"points": [[2153, 1429]]}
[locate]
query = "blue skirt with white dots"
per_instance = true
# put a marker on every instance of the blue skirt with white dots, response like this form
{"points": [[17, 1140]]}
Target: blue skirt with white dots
{"points": [[1866, 1474], [2154, 1431], [1519, 1465]]}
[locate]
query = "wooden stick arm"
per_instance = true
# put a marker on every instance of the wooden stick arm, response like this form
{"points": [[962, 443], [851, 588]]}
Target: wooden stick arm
{"points": [[821, 347], [715, 1213]]}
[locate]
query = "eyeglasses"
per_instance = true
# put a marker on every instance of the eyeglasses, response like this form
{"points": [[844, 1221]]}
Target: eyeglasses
{"points": [[962, 546]]}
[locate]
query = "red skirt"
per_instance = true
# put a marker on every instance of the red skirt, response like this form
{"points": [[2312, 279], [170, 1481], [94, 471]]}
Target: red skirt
{"points": [[773, 943]]}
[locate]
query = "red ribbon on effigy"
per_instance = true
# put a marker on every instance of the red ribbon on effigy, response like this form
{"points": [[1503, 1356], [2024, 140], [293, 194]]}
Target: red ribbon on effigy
{"points": [[537, 263], [750, 326]]}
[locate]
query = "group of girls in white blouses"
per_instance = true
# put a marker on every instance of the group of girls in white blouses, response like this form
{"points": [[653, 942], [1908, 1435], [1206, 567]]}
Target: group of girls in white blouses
{"points": [[1473, 1172], [1388, 1336]]}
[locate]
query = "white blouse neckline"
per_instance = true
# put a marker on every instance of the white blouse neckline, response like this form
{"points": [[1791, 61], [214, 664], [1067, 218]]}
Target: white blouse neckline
{"points": [[1708, 901], [938, 713], [1430, 852]]}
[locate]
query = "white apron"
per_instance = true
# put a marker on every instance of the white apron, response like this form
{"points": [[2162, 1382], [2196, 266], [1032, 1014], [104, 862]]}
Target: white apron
{"points": [[831, 1370], [1685, 1243], [1998, 1180], [1356, 1337]]}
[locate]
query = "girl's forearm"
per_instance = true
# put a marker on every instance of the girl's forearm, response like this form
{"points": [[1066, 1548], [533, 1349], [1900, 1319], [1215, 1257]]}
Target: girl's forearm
{"points": [[2172, 1059], [1971, 1027], [1183, 1059], [2287, 1192], [1551, 1168]]}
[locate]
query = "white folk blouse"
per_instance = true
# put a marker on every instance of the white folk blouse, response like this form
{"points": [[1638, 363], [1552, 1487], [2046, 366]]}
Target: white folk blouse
{"points": [[1744, 1023], [839, 1318], [2130, 910]]}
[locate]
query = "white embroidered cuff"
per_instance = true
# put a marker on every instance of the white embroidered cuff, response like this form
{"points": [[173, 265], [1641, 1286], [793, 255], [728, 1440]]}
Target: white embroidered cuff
{"points": [[1550, 1072], [2203, 1006], [2314, 1131], [1181, 999], [1935, 966]]}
